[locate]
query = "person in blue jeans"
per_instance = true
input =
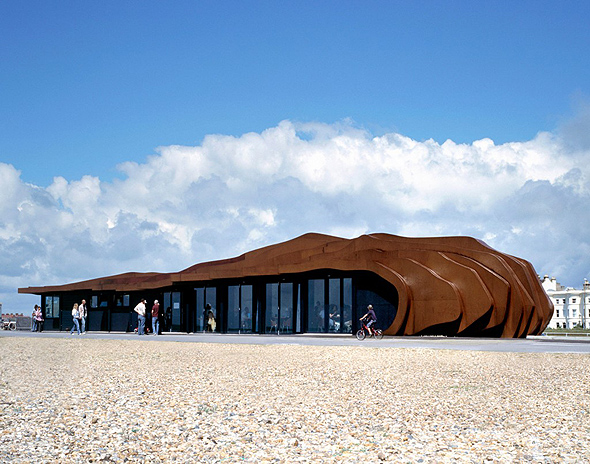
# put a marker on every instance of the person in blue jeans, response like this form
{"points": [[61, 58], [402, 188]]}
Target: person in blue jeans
{"points": [[83, 315], [140, 310], [155, 317], [75, 319], [34, 319]]}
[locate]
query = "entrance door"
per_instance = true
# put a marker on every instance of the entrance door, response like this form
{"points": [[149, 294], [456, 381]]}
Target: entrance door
{"points": [[239, 308], [316, 305], [286, 307], [246, 308], [272, 309], [279, 308], [172, 301], [329, 305], [203, 297]]}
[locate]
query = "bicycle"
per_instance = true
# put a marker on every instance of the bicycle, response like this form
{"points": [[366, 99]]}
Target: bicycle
{"points": [[361, 334]]}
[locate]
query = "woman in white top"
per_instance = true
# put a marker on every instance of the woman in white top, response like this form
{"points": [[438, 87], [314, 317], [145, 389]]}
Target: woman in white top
{"points": [[75, 319]]}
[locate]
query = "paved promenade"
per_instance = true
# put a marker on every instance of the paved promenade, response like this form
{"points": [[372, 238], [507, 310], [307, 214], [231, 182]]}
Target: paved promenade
{"points": [[540, 344]]}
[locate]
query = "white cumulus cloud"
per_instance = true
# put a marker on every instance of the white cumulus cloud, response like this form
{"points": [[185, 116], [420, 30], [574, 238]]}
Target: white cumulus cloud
{"points": [[232, 194]]}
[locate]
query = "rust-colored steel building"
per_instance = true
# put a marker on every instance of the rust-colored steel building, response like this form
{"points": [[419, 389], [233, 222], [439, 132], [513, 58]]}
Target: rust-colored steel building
{"points": [[453, 286]]}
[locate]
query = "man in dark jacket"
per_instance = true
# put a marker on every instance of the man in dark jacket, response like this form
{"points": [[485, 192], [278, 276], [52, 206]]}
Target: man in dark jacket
{"points": [[370, 317], [156, 317]]}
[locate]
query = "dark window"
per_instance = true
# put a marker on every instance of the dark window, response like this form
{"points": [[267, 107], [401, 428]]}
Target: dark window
{"points": [[334, 309], [272, 308], [200, 302], [51, 307], [346, 320], [374, 290], [286, 308], [315, 305], [233, 308], [246, 307]]}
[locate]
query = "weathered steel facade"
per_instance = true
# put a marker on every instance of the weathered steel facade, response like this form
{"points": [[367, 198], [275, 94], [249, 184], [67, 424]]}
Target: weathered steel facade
{"points": [[453, 286]]}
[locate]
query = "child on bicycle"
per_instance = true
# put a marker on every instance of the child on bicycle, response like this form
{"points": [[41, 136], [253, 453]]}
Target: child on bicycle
{"points": [[370, 317]]}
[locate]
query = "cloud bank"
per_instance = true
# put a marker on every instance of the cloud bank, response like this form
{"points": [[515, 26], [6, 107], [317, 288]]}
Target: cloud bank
{"points": [[233, 194]]}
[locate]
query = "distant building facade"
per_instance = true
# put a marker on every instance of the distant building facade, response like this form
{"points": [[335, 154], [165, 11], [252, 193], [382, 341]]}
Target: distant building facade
{"points": [[571, 305]]}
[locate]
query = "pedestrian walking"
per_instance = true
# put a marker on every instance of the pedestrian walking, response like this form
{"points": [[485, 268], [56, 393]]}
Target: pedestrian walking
{"points": [[140, 310], [34, 319], [75, 319], [156, 317], [83, 315]]}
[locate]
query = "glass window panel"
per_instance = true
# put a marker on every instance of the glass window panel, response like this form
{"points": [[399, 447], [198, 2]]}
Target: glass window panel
{"points": [[246, 305], [48, 305], [176, 313], [286, 308], [298, 314], [334, 305], [200, 298], [211, 298], [125, 300], [168, 304], [233, 308], [55, 312], [272, 308], [316, 302], [346, 306], [94, 301]]}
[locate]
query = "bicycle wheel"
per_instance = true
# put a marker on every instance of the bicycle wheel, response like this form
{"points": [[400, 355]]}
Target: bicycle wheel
{"points": [[360, 335], [378, 334]]}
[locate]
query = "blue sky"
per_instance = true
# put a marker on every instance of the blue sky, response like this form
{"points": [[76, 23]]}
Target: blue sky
{"points": [[86, 85], [152, 135]]}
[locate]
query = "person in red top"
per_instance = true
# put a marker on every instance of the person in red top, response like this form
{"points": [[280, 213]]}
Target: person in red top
{"points": [[155, 317]]}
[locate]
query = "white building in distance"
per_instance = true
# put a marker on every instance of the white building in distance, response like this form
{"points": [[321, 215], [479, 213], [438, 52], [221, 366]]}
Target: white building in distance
{"points": [[572, 306]]}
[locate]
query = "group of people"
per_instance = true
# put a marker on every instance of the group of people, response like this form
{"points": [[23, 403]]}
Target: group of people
{"points": [[79, 315], [37, 319], [157, 315]]}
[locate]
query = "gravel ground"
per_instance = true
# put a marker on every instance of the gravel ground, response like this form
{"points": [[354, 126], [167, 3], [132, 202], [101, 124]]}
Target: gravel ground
{"points": [[83, 400]]}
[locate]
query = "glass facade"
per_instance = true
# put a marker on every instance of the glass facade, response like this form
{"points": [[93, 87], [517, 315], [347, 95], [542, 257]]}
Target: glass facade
{"points": [[298, 310], [200, 317], [233, 308], [211, 299], [286, 308], [334, 319], [239, 308], [315, 305], [246, 308], [318, 302], [346, 325], [197, 315], [272, 308], [51, 307]]}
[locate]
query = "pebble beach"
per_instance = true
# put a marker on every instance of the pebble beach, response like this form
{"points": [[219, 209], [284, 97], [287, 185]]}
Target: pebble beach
{"points": [[82, 400]]}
